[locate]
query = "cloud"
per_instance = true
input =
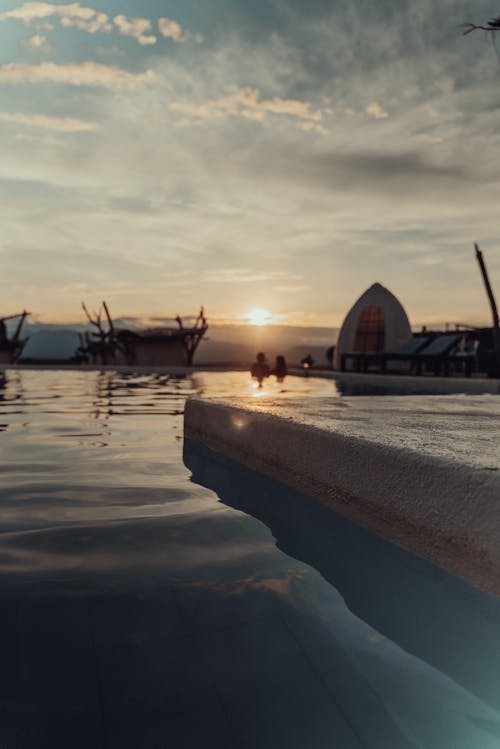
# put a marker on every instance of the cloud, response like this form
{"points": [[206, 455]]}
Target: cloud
{"points": [[74, 74], [38, 42], [32, 138], [357, 170], [92, 25], [74, 15], [58, 124], [131, 204], [44, 27], [375, 110], [136, 28], [170, 29], [310, 126], [235, 276], [292, 289], [71, 14], [246, 103]]}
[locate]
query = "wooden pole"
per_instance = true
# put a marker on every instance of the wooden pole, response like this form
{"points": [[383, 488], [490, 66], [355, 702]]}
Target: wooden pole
{"points": [[110, 321], [13, 317], [494, 312], [20, 325]]}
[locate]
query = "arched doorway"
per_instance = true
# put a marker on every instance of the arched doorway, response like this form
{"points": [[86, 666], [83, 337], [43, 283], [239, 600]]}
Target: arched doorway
{"points": [[370, 332]]}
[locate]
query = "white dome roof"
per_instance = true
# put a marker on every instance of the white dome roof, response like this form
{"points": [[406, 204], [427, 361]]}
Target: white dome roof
{"points": [[396, 324]]}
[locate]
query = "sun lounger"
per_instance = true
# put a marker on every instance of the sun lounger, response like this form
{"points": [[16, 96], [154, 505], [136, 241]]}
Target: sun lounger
{"points": [[441, 353], [362, 361], [437, 353]]}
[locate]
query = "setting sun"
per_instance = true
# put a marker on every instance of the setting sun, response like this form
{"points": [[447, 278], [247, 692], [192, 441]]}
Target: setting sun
{"points": [[259, 317]]}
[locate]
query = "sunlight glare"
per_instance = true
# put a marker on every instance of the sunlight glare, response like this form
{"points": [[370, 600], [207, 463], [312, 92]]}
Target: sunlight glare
{"points": [[259, 316]]}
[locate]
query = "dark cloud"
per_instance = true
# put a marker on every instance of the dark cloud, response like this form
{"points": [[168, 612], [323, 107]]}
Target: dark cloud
{"points": [[368, 168], [330, 170]]}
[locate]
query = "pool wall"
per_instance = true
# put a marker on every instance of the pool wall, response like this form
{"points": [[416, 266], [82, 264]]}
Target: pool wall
{"points": [[436, 616], [446, 512]]}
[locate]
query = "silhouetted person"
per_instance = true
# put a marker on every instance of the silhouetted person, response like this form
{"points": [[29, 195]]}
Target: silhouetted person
{"points": [[260, 368], [279, 368]]}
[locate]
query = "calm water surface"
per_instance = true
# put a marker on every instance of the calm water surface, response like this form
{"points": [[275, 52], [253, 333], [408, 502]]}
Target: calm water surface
{"points": [[90, 446], [155, 595]]}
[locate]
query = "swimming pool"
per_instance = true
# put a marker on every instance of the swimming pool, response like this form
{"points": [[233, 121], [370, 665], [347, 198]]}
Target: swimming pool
{"points": [[154, 594]]}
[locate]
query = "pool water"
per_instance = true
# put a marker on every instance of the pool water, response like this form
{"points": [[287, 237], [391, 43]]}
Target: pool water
{"points": [[153, 594]]}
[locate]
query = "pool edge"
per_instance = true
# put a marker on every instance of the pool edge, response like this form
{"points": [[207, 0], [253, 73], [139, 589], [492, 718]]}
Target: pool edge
{"points": [[446, 512]]}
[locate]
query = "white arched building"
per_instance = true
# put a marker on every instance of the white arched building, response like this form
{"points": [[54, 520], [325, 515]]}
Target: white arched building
{"points": [[377, 322]]}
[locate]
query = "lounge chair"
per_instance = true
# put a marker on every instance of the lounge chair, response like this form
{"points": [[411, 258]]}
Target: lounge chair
{"points": [[421, 352], [407, 352], [363, 360], [438, 353]]}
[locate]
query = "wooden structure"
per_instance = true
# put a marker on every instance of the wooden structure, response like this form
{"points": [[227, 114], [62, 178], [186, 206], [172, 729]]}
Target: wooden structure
{"points": [[157, 347], [99, 346], [11, 348]]}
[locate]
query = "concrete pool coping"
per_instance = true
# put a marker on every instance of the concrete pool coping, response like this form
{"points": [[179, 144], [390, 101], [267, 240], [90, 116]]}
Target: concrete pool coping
{"points": [[444, 510], [407, 383]]}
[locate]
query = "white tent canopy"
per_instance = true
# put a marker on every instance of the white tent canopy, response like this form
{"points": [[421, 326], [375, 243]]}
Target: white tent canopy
{"points": [[376, 322]]}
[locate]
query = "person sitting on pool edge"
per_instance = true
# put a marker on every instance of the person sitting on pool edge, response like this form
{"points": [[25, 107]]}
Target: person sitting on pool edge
{"points": [[260, 368]]}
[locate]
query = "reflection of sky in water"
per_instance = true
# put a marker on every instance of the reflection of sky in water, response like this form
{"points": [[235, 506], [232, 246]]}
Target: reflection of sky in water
{"points": [[139, 606], [105, 435]]}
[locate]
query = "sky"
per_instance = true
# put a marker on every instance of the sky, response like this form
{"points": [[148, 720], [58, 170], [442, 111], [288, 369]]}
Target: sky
{"points": [[273, 154]]}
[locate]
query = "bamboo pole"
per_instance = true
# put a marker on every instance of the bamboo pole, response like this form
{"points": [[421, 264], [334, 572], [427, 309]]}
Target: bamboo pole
{"points": [[22, 318], [13, 317], [110, 321], [494, 313]]}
